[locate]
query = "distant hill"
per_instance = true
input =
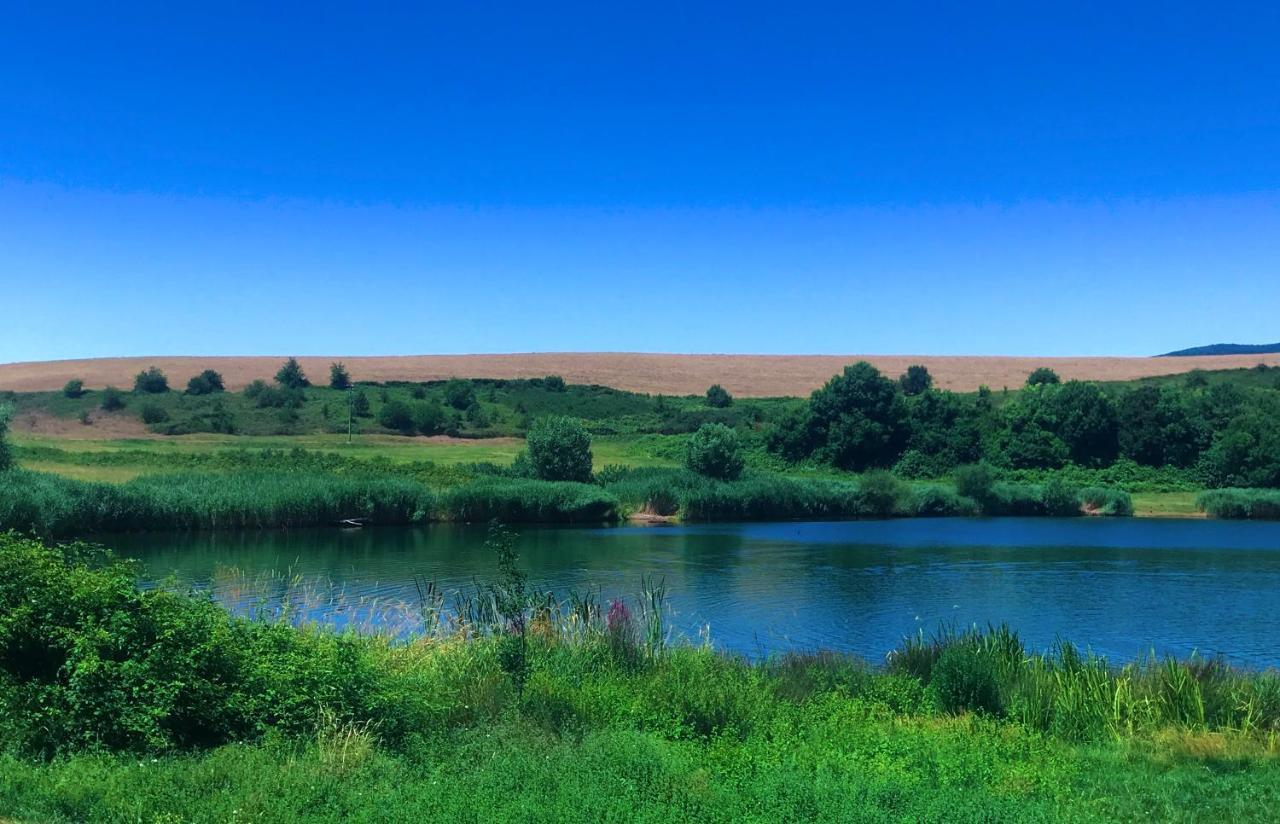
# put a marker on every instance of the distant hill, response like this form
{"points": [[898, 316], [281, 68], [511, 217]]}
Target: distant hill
{"points": [[1226, 349]]}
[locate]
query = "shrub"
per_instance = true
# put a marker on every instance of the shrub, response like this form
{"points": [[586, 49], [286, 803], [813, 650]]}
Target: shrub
{"points": [[398, 416], [150, 381], [560, 449], [718, 397], [976, 481], [73, 388], [338, 377], [6, 454], [714, 451], [291, 376], [206, 383], [1102, 501], [429, 418], [881, 494], [154, 414], [965, 679], [553, 383], [112, 399], [1059, 499], [916, 380], [937, 501], [1042, 377], [1259, 504], [418, 392], [360, 404], [459, 393]]}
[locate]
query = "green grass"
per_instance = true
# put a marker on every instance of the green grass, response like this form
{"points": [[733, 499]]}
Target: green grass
{"points": [[1165, 505], [124, 705]]}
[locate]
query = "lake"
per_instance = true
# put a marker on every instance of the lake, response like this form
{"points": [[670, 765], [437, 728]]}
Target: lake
{"points": [[1120, 586]]}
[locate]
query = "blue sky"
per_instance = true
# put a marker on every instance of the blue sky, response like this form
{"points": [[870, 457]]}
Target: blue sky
{"points": [[731, 178]]}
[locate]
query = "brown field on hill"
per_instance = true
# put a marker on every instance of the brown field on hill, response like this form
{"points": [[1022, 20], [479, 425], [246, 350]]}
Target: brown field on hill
{"points": [[744, 375]]}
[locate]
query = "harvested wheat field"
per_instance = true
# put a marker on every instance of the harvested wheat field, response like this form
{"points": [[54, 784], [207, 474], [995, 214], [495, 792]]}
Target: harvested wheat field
{"points": [[745, 375]]}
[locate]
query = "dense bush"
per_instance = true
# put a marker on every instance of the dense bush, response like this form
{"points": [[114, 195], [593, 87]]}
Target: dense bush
{"points": [[112, 399], [291, 376], [1043, 376], [153, 414], [916, 380], [1241, 504], [397, 415], [1103, 501], [553, 383], [150, 381], [965, 679], [560, 449], [338, 376], [715, 451], [206, 383], [429, 418], [73, 388], [6, 452], [459, 393], [718, 397]]}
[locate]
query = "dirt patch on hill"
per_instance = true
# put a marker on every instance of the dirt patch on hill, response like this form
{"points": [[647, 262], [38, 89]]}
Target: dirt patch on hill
{"points": [[101, 425], [744, 375]]}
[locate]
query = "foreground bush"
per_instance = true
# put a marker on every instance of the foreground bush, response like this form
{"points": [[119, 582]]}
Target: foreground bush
{"points": [[559, 449], [715, 451]]}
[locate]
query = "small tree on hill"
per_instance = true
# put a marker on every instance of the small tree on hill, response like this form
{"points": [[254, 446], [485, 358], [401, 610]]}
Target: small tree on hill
{"points": [[6, 455], [206, 383], [429, 418], [398, 416], [560, 449], [360, 404], [714, 451], [553, 383], [291, 375], [151, 382], [73, 388], [718, 397], [338, 377], [459, 393], [1043, 376], [916, 380], [112, 399]]}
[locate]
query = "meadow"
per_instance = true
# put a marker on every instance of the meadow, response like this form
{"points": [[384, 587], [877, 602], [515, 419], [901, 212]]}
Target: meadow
{"points": [[524, 708]]}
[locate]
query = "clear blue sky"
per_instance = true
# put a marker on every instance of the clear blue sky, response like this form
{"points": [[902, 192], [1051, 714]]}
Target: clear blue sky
{"points": [[477, 177]]}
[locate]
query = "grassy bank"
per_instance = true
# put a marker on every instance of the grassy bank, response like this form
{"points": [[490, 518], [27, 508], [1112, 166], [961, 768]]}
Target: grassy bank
{"points": [[1241, 504], [124, 705]]}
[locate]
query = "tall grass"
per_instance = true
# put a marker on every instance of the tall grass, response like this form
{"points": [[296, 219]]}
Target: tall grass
{"points": [[1240, 504]]}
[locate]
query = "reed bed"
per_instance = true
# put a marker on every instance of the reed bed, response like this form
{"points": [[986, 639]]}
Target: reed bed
{"points": [[1240, 504]]}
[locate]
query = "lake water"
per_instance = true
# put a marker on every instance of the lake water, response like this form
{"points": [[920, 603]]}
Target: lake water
{"points": [[1122, 587]]}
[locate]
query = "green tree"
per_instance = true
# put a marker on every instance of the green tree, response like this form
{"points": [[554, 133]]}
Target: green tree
{"points": [[553, 383], [338, 377], [1085, 420], [112, 399], [560, 449], [291, 375], [153, 414], [360, 404], [1043, 376], [1157, 427], [858, 419], [6, 454], [459, 393], [150, 381], [397, 415], [714, 451], [429, 418], [73, 388], [206, 383], [718, 397], [915, 380]]}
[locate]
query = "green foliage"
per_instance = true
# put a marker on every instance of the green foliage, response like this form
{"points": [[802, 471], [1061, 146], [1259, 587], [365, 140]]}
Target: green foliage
{"points": [[528, 501], [360, 404], [1043, 376], [73, 388], [718, 397], [976, 481], [1241, 504], [338, 376], [560, 449], [553, 383], [153, 414], [1085, 419], [915, 380], [291, 376], [429, 418], [965, 680], [6, 452], [715, 451], [1103, 501], [112, 399], [206, 383], [150, 381], [397, 415], [459, 393]]}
